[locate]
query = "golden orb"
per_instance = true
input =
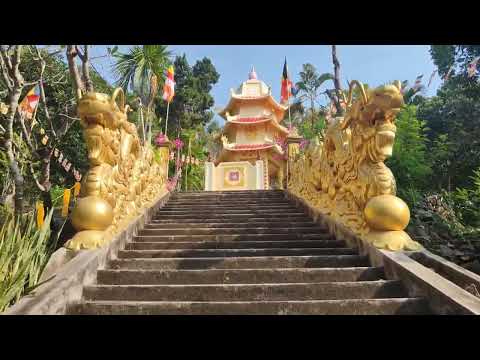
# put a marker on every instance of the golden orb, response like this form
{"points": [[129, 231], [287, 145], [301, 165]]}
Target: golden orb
{"points": [[387, 212], [92, 213]]}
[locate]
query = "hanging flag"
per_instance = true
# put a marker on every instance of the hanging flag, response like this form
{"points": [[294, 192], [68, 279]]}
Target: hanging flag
{"points": [[183, 158], [40, 213], [286, 91], [29, 103], [66, 202], [45, 140], [56, 153], [60, 158], [67, 168], [169, 87], [76, 189], [418, 82], [64, 163], [431, 78], [77, 175], [472, 67], [172, 155], [3, 108]]}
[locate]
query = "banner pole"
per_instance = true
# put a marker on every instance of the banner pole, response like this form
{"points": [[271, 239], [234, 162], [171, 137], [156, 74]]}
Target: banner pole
{"points": [[166, 119]]}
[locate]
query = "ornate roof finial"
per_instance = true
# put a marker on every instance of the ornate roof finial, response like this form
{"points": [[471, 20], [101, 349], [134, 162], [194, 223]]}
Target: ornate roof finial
{"points": [[252, 75]]}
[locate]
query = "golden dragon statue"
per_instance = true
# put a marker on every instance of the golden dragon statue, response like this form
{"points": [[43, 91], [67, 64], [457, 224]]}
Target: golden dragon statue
{"points": [[345, 177], [124, 177]]}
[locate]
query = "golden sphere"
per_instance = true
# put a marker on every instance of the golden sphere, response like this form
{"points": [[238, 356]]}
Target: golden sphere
{"points": [[387, 212], [92, 213]]}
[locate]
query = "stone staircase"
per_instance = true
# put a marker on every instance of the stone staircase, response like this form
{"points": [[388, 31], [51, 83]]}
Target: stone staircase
{"points": [[242, 252]]}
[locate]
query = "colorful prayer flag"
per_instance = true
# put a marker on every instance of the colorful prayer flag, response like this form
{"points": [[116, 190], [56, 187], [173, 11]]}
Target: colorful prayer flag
{"points": [[431, 78], [76, 189], [418, 82], [286, 90], [40, 213], [169, 87], [66, 202], [29, 103], [472, 67]]}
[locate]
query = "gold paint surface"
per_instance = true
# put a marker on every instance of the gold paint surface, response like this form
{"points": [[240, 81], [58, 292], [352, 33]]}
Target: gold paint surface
{"points": [[387, 212], [345, 172], [92, 213], [124, 177]]}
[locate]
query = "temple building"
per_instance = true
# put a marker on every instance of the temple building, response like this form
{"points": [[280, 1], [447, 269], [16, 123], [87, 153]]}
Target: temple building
{"points": [[251, 154]]}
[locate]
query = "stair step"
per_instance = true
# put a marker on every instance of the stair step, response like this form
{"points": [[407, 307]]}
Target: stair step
{"points": [[159, 245], [233, 231], [196, 253], [224, 213], [238, 276], [236, 203], [209, 217], [248, 292], [261, 262], [231, 237], [209, 206], [398, 306], [217, 225], [168, 219]]}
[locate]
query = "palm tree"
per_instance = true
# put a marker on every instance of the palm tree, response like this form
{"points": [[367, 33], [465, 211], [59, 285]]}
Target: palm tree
{"points": [[140, 70], [309, 86]]}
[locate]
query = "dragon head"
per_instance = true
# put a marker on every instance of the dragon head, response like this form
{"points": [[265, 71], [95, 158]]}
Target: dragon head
{"points": [[101, 109], [372, 118]]}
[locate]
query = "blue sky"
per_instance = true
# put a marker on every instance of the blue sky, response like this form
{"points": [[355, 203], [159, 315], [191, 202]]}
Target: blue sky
{"points": [[372, 64]]}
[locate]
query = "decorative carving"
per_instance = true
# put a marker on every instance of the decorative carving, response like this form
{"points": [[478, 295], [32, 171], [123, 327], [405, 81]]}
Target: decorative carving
{"points": [[124, 176], [345, 176]]}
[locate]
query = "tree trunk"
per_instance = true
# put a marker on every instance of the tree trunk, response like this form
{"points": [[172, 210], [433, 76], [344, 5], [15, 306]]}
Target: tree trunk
{"points": [[12, 161], [336, 81], [72, 66]]}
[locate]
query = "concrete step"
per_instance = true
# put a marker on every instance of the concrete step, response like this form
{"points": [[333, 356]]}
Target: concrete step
{"points": [[226, 224], [231, 237], [238, 276], [230, 197], [221, 211], [159, 245], [398, 306], [261, 262], [248, 292], [233, 231], [206, 218], [210, 217], [236, 203], [196, 253]]}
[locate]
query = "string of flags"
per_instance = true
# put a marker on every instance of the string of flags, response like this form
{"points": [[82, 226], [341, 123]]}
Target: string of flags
{"points": [[27, 108], [67, 195]]}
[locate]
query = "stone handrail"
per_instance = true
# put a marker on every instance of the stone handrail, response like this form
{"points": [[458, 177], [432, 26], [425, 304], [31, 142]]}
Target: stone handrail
{"points": [[345, 176]]}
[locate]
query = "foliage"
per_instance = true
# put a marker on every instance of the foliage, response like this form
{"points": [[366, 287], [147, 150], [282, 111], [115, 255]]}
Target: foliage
{"points": [[192, 102], [409, 161], [24, 253], [134, 70]]}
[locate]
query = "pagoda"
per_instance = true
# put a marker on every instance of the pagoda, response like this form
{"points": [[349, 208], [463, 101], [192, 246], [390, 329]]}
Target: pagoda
{"points": [[253, 135]]}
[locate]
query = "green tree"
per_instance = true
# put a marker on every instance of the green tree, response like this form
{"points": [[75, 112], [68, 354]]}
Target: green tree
{"points": [[192, 103], [309, 87], [409, 162], [141, 70]]}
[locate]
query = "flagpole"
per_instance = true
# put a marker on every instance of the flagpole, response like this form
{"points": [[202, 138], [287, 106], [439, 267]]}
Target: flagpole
{"points": [[166, 119], [141, 120]]}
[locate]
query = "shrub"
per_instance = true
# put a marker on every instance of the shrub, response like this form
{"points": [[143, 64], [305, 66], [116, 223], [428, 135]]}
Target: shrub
{"points": [[24, 253]]}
